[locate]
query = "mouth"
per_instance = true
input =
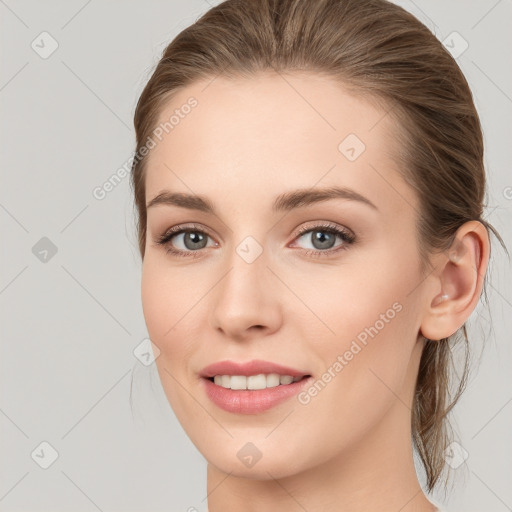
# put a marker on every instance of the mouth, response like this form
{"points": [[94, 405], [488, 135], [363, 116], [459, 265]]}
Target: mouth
{"points": [[252, 387]]}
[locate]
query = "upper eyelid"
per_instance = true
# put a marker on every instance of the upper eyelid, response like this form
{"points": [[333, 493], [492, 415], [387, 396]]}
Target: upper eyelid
{"points": [[326, 225]]}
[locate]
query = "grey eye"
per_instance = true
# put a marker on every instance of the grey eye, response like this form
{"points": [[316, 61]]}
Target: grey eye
{"points": [[321, 239], [192, 240]]}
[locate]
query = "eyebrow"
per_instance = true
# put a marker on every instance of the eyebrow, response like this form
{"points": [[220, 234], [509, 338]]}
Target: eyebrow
{"points": [[285, 202]]}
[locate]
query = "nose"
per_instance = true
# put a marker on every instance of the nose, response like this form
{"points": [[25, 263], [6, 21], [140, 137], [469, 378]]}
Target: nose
{"points": [[246, 300]]}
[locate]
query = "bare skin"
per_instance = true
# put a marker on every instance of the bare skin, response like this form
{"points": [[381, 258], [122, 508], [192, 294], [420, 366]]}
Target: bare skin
{"points": [[348, 447]]}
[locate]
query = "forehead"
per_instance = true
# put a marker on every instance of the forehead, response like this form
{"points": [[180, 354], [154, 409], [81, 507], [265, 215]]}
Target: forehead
{"points": [[275, 132]]}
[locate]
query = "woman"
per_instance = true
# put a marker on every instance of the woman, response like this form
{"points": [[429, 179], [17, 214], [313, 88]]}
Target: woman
{"points": [[309, 184]]}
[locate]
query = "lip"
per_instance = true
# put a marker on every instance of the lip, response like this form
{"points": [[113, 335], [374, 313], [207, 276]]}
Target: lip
{"points": [[254, 367], [251, 401]]}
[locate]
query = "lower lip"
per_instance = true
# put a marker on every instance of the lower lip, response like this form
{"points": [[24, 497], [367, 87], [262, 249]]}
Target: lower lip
{"points": [[251, 401]]}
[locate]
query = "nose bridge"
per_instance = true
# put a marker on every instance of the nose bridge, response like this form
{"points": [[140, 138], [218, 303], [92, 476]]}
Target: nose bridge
{"points": [[247, 265]]}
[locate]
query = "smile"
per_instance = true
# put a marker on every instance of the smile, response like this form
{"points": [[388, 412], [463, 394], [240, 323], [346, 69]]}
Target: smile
{"points": [[251, 387]]}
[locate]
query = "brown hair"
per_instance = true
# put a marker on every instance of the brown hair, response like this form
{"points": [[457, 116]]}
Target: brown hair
{"points": [[378, 50]]}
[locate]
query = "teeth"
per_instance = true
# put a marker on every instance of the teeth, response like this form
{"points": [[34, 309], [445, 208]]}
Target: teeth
{"points": [[272, 380], [238, 382], [257, 381], [260, 381]]}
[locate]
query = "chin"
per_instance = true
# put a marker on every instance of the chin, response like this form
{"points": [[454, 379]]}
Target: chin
{"points": [[268, 469], [242, 458]]}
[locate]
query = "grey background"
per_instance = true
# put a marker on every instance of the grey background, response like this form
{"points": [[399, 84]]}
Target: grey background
{"points": [[70, 324]]}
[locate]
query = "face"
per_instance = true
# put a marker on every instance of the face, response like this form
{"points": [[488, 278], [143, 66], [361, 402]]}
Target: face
{"points": [[273, 277]]}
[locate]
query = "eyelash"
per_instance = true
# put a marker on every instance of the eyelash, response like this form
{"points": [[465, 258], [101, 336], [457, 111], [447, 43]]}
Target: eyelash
{"points": [[347, 237]]}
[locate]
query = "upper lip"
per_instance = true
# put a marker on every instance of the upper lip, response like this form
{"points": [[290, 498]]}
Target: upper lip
{"points": [[254, 367]]}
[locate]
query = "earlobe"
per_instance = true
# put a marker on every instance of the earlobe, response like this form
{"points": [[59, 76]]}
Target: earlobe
{"points": [[454, 288]]}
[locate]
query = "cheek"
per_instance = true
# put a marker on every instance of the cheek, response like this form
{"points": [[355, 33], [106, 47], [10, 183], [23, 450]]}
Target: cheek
{"points": [[369, 290], [166, 296], [167, 300], [157, 300], [367, 314]]}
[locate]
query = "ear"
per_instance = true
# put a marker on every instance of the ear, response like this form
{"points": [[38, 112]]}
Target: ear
{"points": [[453, 289]]}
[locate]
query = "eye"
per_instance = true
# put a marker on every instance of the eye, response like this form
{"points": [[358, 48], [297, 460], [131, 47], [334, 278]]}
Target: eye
{"points": [[323, 239], [189, 239]]}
